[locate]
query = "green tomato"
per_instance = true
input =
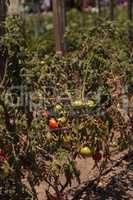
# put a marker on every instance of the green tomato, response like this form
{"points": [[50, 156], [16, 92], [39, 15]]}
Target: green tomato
{"points": [[77, 103], [90, 103], [114, 144], [42, 62], [49, 136], [58, 108], [5, 169], [67, 138], [53, 146]]}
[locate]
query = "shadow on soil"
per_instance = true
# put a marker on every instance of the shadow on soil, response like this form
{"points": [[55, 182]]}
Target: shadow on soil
{"points": [[118, 186]]}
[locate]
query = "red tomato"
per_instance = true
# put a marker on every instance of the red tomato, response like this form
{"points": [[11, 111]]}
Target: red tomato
{"points": [[2, 152], [3, 156], [52, 198], [53, 123], [97, 157], [55, 198]]}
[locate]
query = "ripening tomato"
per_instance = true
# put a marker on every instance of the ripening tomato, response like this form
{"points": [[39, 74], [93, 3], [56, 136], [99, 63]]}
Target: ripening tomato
{"points": [[46, 114], [85, 151], [3, 156], [53, 123], [62, 120], [97, 156]]}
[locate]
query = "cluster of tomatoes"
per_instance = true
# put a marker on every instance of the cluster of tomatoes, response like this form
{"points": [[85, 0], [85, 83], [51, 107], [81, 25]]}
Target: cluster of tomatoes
{"points": [[56, 119], [59, 120]]}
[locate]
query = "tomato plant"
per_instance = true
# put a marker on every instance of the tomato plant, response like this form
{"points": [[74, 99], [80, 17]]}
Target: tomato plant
{"points": [[67, 106]]}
